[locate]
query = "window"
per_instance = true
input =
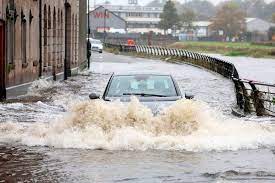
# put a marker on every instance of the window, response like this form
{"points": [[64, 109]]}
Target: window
{"points": [[45, 36], [45, 26], [10, 40], [142, 84], [49, 37], [24, 41], [54, 48]]}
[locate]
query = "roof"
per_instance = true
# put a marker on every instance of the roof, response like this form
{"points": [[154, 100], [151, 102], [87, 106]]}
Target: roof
{"points": [[247, 20], [141, 19], [130, 73], [122, 8], [101, 7], [201, 23]]}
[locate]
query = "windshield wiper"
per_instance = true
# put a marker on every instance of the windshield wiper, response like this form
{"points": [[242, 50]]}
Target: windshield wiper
{"points": [[145, 94]]}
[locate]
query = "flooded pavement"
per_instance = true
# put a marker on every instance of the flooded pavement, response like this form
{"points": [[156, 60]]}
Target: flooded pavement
{"points": [[62, 136]]}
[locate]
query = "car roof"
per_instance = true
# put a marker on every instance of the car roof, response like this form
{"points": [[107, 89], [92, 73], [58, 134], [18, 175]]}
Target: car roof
{"points": [[140, 73]]}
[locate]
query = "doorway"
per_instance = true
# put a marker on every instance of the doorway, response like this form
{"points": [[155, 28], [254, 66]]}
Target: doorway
{"points": [[2, 61]]}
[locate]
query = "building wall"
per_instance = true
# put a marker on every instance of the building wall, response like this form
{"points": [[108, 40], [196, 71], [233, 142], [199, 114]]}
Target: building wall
{"points": [[82, 48], [101, 17], [62, 43], [2, 9], [23, 44], [140, 19], [53, 36]]}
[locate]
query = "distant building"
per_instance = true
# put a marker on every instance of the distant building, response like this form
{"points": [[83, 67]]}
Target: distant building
{"points": [[199, 30], [40, 39], [102, 19], [139, 19], [257, 25], [257, 29]]}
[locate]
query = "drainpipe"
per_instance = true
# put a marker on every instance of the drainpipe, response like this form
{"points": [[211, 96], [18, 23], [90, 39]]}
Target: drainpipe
{"points": [[40, 38], [88, 49], [65, 35]]}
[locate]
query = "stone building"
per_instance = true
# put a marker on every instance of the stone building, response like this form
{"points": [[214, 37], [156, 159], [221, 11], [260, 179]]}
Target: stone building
{"points": [[40, 38]]}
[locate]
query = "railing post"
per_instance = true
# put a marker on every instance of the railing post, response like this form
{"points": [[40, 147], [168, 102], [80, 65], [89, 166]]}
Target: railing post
{"points": [[258, 102], [239, 94]]}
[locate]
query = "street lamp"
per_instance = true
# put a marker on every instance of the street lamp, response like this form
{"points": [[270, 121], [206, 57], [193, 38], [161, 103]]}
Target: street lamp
{"points": [[89, 28], [89, 47]]}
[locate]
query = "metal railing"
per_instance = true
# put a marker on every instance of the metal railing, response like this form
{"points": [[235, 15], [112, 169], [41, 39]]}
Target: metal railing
{"points": [[251, 96]]}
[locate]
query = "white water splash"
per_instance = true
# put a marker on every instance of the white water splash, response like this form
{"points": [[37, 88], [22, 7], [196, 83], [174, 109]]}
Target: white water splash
{"points": [[186, 125]]}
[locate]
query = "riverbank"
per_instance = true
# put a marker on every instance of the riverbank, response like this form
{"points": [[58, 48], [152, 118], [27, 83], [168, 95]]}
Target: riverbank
{"points": [[228, 49]]}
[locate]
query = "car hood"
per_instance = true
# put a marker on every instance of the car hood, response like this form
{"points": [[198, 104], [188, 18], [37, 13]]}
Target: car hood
{"points": [[156, 104]]}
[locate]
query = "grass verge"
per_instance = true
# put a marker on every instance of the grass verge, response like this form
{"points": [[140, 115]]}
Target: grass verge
{"points": [[228, 49]]}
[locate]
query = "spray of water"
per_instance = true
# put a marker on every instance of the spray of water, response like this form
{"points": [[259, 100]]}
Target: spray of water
{"points": [[186, 125]]}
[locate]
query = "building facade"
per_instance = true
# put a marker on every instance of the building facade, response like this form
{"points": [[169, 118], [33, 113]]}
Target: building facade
{"points": [[140, 19], [42, 38], [199, 30], [257, 29], [102, 19]]}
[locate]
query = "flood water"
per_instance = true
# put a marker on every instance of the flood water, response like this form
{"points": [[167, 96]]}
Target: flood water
{"points": [[56, 134]]}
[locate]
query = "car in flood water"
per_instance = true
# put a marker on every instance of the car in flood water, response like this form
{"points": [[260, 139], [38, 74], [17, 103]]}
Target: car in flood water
{"points": [[155, 91]]}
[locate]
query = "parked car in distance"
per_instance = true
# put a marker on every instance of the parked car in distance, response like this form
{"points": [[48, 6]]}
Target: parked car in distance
{"points": [[155, 91], [96, 45]]}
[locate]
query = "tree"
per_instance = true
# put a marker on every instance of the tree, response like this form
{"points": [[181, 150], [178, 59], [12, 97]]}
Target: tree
{"points": [[230, 19], [202, 8], [256, 8], [169, 16], [187, 18], [273, 17]]}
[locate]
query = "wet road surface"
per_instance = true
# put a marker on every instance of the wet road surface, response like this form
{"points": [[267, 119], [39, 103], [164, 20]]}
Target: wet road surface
{"points": [[49, 140]]}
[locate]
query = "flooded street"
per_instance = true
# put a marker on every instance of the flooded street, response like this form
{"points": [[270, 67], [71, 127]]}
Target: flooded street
{"points": [[56, 134]]}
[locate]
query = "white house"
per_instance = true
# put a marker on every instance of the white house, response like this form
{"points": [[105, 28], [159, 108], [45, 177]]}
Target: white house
{"points": [[198, 30], [202, 28]]}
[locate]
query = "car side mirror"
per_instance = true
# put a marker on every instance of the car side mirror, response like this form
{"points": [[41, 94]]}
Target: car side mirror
{"points": [[189, 96], [94, 96]]}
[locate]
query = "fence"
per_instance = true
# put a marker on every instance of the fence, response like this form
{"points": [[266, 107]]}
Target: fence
{"points": [[141, 39], [251, 97]]}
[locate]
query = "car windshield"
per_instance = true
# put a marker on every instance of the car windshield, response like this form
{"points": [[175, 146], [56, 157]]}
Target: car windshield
{"points": [[142, 85], [96, 42]]}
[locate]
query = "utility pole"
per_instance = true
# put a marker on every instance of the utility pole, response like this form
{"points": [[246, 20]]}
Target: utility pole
{"points": [[105, 13], [89, 28], [89, 48]]}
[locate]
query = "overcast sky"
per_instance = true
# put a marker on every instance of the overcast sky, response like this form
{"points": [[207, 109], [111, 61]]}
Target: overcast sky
{"points": [[143, 2]]}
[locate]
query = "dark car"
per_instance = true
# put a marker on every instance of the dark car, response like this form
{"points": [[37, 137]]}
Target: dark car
{"points": [[155, 91]]}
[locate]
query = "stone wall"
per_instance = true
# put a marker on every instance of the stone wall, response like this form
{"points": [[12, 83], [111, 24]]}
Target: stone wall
{"points": [[45, 45]]}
